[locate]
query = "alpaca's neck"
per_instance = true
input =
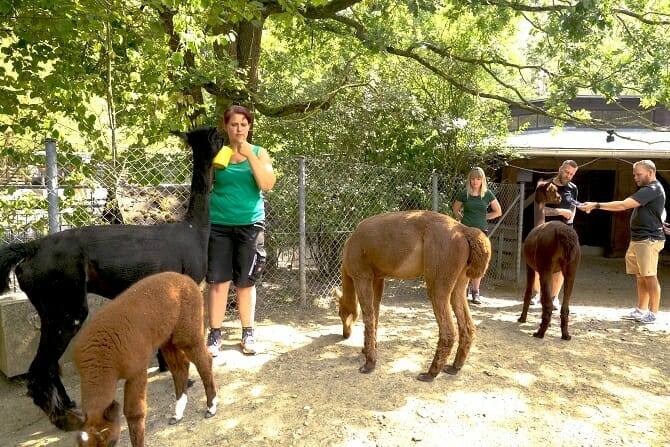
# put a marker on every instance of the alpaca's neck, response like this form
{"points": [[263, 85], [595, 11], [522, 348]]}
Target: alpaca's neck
{"points": [[538, 213], [198, 203], [98, 388]]}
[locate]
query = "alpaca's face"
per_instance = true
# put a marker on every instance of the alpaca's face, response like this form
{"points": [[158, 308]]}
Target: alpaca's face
{"points": [[101, 431], [547, 193], [203, 139], [216, 141], [347, 315], [92, 437]]}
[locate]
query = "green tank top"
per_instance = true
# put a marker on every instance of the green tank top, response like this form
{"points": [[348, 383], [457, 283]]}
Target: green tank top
{"points": [[236, 199]]}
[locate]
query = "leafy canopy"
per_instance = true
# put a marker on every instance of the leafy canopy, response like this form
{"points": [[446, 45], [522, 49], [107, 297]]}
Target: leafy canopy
{"points": [[413, 81]]}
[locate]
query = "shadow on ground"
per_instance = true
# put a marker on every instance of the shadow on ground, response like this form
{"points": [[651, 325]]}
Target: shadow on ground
{"points": [[607, 386]]}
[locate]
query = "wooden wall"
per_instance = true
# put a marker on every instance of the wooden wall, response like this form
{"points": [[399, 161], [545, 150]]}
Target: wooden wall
{"points": [[618, 226]]}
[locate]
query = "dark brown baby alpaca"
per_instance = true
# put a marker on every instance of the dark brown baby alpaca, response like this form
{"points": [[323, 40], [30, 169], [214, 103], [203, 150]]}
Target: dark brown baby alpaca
{"points": [[163, 311], [550, 248], [407, 245]]}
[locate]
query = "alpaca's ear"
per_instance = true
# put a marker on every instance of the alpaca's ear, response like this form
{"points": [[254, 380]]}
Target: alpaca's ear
{"points": [[111, 413]]}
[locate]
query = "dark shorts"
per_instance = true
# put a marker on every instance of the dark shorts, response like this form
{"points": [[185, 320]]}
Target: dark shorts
{"points": [[236, 253]]}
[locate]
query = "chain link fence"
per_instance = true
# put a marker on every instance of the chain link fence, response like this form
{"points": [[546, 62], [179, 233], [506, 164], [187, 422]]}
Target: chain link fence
{"points": [[315, 205]]}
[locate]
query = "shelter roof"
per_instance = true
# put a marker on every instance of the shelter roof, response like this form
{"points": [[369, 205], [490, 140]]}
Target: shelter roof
{"points": [[572, 142]]}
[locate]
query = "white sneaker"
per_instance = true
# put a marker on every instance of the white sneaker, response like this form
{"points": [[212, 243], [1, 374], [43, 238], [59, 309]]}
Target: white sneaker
{"points": [[647, 318], [248, 345], [634, 314], [556, 303], [214, 342], [535, 300]]}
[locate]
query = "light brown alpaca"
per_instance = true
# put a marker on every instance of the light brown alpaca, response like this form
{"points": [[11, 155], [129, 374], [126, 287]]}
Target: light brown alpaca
{"points": [[163, 310], [406, 245], [550, 248]]}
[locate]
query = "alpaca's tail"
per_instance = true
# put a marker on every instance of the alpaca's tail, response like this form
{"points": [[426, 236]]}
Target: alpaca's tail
{"points": [[10, 255], [480, 252], [568, 239]]}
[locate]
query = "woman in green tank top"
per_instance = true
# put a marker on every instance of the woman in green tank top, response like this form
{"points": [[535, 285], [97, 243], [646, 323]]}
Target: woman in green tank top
{"points": [[471, 208], [236, 243]]}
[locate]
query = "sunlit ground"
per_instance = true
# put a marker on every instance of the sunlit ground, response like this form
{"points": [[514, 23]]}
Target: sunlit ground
{"points": [[607, 386]]}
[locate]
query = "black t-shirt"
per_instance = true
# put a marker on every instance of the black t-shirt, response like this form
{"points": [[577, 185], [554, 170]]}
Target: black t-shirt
{"points": [[568, 193], [646, 222]]}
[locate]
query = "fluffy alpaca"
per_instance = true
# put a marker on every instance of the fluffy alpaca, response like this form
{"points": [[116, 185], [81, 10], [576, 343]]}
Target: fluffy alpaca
{"points": [[57, 271], [550, 248], [406, 245], [163, 310]]}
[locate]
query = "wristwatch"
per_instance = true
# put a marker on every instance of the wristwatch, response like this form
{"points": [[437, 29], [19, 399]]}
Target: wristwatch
{"points": [[597, 205]]}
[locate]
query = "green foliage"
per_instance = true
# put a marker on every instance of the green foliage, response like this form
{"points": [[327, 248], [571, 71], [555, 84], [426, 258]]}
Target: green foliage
{"points": [[410, 84], [20, 218], [176, 64], [401, 119]]}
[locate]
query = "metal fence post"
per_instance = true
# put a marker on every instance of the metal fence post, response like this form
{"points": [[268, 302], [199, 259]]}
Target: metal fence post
{"points": [[302, 269], [52, 185], [522, 199], [435, 193]]}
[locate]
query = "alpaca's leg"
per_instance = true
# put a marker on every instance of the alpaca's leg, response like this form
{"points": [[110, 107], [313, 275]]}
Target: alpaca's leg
{"points": [[569, 273], [366, 300], [545, 298], [203, 362], [439, 292], [466, 326], [178, 364], [59, 323], [530, 280], [135, 407], [377, 292]]}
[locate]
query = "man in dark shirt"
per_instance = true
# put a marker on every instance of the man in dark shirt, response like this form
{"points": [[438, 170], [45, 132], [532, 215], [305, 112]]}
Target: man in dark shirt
{"points": [[563, 211], [647, 237]]}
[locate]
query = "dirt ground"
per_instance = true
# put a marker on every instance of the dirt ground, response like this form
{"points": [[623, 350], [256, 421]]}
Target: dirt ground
{"points": [[609, 385]]}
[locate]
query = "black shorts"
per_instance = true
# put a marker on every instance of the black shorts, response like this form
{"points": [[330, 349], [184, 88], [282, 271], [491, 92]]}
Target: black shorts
{"points": [[236, 253]]}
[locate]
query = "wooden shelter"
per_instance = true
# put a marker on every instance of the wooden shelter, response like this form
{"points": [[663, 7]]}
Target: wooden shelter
{"points": [[605, 161]]}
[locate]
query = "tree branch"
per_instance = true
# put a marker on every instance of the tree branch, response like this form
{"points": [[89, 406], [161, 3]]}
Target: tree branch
{"points": [[523, 103], [302, 107], [329, 9], [518, 6], [642, 17], [497, 61]]}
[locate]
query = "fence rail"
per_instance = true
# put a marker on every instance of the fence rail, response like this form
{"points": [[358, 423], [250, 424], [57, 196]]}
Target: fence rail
{"points": [[315, 205]]}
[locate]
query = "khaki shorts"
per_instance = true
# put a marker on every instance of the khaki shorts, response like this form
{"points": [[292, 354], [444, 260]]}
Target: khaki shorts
{"points": [[642, 257]]}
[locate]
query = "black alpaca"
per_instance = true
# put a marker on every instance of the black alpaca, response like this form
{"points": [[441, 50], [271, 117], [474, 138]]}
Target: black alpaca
{"points": [[57, 271]]}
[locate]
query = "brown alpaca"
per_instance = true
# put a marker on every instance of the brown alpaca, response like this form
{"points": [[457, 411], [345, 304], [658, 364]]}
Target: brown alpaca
{"points": [[545, 192], [406, 245], [162, 310], [550, 248]]}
